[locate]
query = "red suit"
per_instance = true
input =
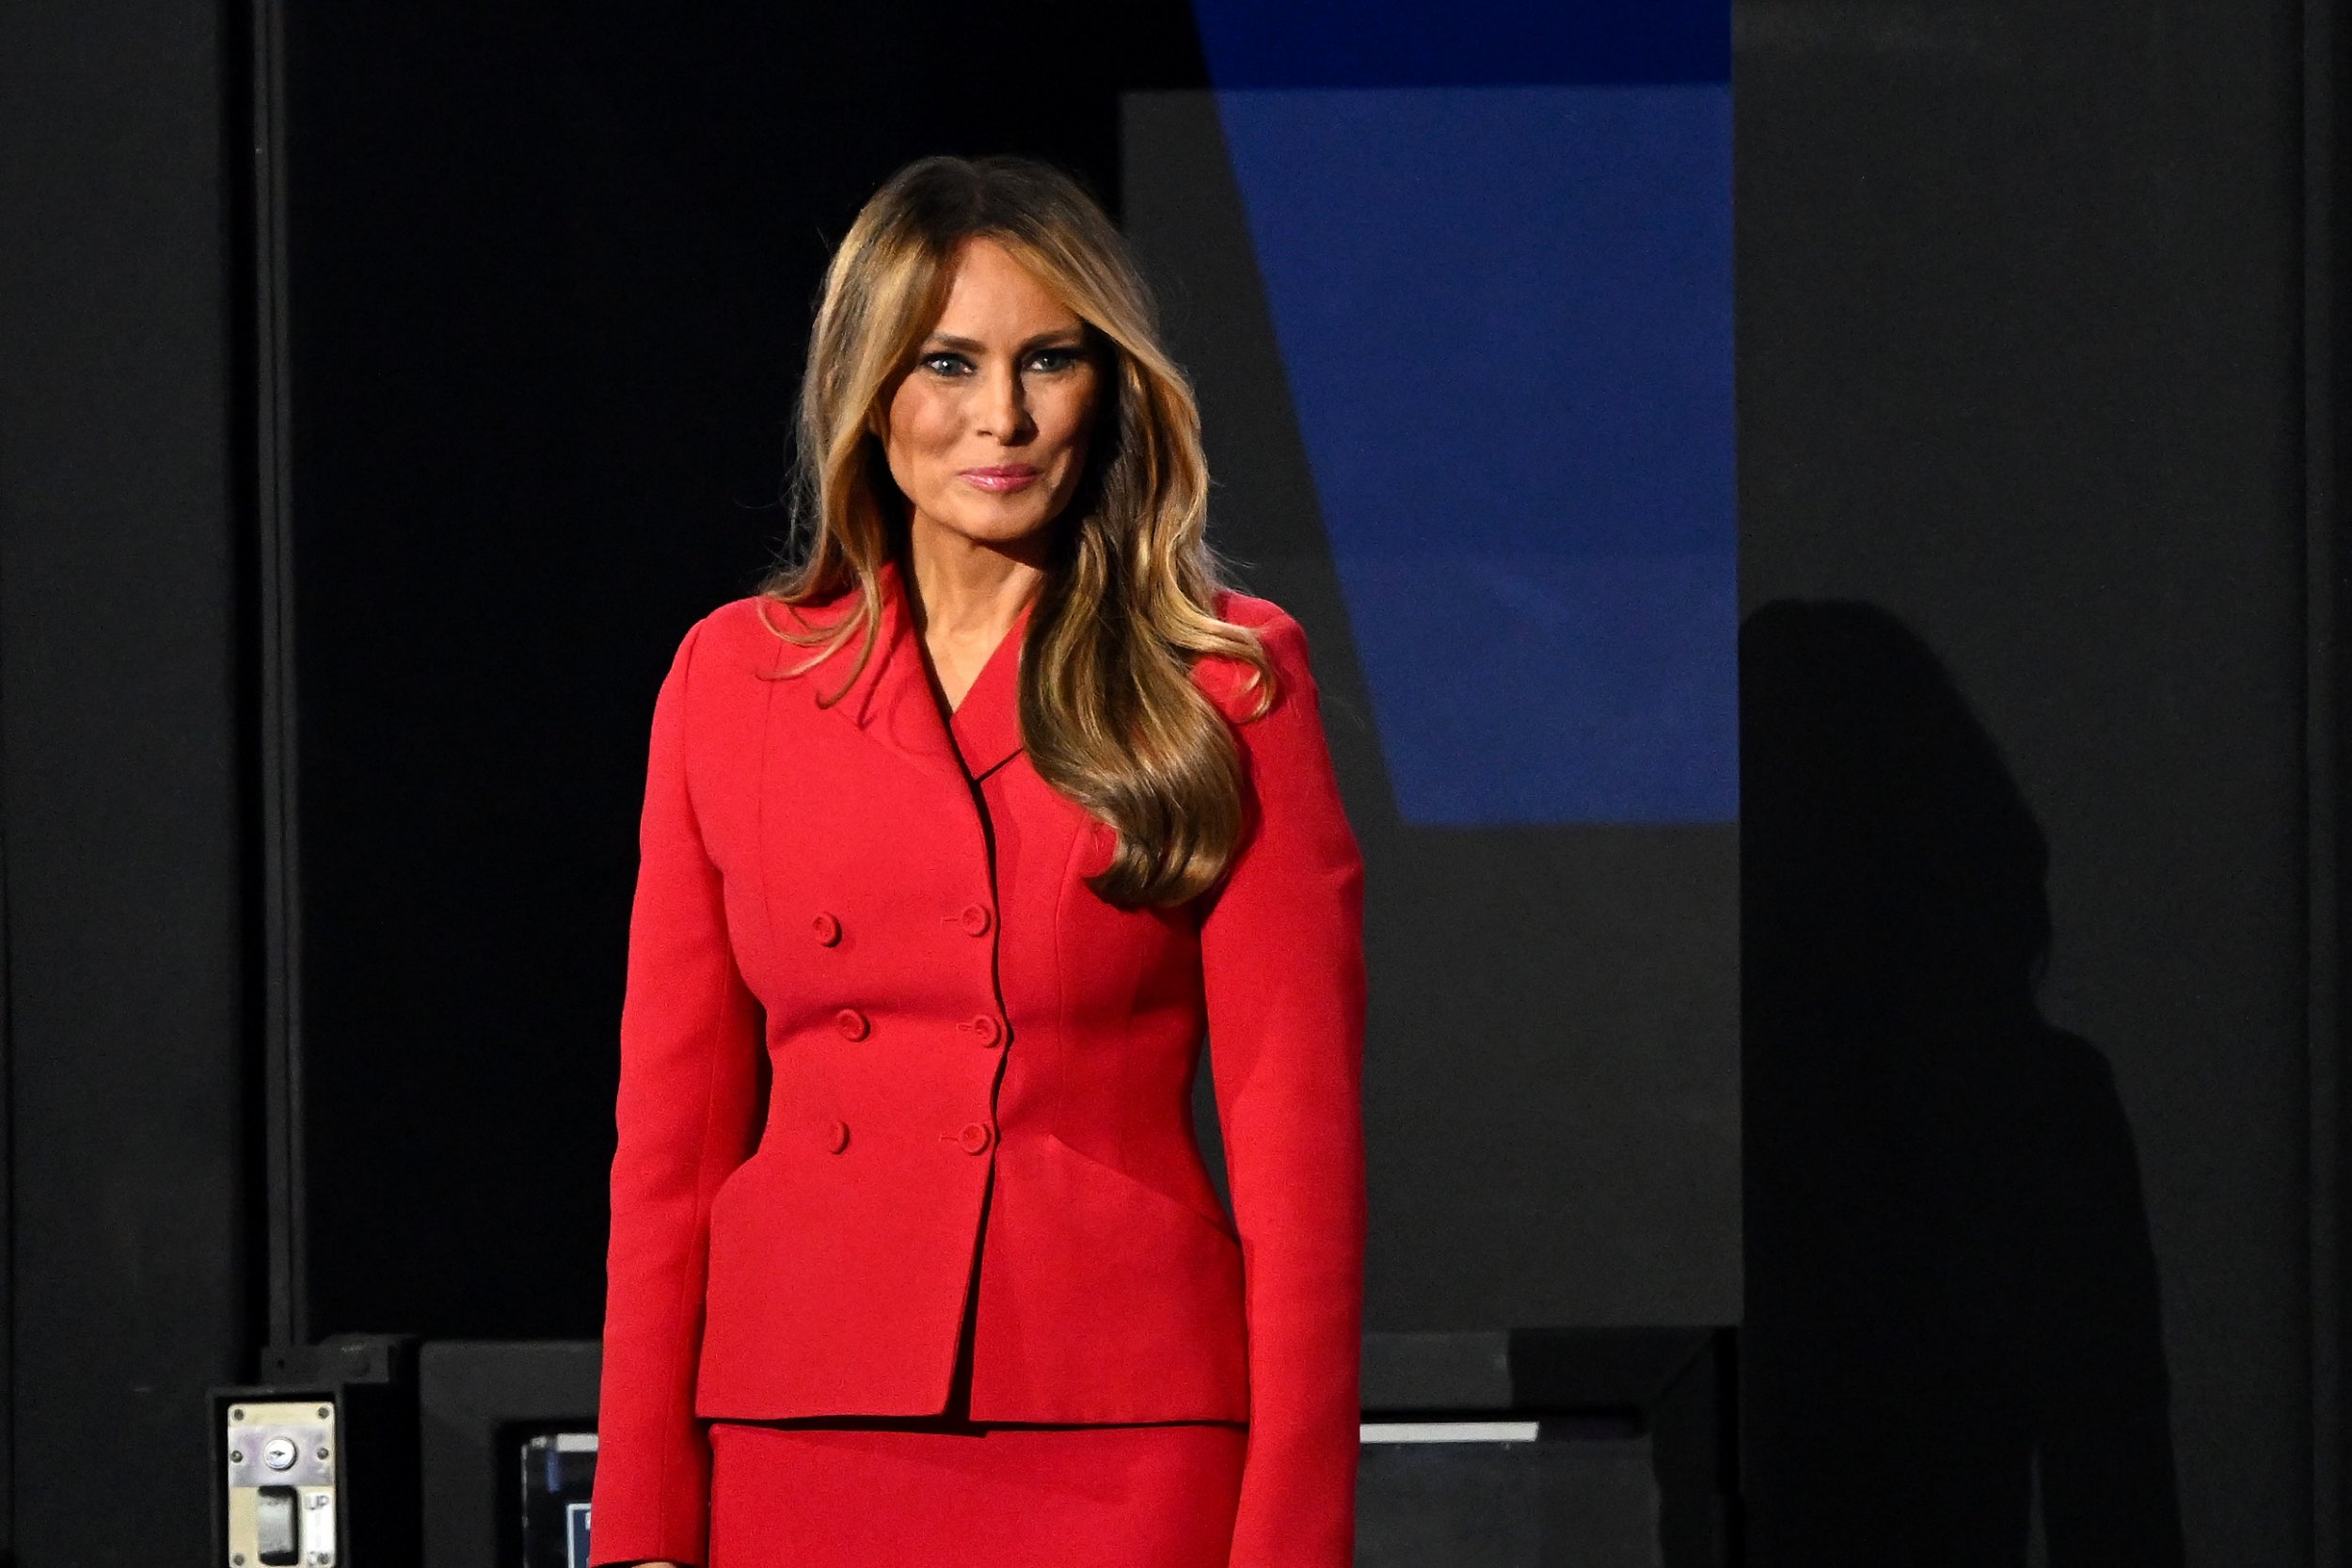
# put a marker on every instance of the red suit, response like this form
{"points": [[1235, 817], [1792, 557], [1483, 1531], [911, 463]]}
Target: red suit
{"points": [[870, 1001]]}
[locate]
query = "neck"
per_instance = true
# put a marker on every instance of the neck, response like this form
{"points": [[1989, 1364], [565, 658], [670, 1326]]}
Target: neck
{"points": [[961, 591]]}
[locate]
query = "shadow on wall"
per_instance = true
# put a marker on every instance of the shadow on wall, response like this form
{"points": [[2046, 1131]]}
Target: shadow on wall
{"points": [[1951, 1292]]}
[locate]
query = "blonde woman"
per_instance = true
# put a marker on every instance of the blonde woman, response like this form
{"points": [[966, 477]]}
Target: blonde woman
{"points": [[958, 838]]}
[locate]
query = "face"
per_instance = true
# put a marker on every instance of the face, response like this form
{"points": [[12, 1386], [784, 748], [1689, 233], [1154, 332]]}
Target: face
{"points": [[987, 431]]}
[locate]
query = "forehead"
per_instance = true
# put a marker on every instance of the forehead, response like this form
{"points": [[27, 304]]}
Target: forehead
{"points": [[989, 292]]}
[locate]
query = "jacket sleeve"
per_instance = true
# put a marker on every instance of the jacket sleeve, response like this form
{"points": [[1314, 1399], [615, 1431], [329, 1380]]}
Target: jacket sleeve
{"points": [[685, 1116], [1284, 970]]}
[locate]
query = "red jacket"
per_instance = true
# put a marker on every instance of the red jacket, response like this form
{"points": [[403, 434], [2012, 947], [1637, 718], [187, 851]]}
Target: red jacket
{"points": [[851, 1002]]}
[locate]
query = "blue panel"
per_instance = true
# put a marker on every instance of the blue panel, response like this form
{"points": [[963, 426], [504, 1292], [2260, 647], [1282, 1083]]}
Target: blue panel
{"points": [[1505, 313], [1368, 43]]}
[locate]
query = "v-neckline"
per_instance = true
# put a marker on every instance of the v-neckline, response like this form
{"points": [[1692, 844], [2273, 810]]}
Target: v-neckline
{"points": [[985, 725], [993, 654]]}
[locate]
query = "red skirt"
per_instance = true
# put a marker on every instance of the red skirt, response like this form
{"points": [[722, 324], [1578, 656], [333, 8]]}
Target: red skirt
{"points": [[900, 1492], [842, 1496]]}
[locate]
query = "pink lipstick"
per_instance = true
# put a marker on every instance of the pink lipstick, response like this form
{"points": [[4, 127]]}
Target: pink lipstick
{"points": [[1002, 479]]}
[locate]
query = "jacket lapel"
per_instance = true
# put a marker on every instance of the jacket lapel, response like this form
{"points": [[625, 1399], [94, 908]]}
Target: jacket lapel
{"points": [[987, 723], [893, 698]]}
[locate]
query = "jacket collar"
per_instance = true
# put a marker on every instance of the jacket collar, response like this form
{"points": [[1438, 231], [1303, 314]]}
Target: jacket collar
{"points": [[893, 697], [857, 705]]}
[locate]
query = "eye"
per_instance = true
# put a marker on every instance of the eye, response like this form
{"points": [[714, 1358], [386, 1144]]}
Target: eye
{"points": [[1057, 358], [943, 363]]}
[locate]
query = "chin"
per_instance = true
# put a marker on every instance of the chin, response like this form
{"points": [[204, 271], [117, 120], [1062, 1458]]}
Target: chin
{"points": [[994, 527]]}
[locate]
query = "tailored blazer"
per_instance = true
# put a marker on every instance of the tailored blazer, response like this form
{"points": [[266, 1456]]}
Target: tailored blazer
{"points": [[881, 1047]]}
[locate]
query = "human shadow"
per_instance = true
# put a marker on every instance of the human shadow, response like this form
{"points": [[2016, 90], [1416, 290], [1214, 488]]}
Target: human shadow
{"points": [[1952, 1296]]}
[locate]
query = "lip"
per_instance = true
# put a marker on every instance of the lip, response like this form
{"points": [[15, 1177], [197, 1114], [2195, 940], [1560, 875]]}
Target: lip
{"points": [[1001, 479]]}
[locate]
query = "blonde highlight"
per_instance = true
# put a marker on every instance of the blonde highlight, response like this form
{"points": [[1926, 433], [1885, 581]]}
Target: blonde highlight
{"points": [[1110, 712]]}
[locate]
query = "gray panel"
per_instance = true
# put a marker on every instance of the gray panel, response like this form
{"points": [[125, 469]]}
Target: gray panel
{"points": [[1550, 1504], [119, 725], [2019, 293]]}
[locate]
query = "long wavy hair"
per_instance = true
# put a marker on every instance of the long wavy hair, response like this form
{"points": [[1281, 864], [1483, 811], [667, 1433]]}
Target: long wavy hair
{"points": [[1110, 713]]}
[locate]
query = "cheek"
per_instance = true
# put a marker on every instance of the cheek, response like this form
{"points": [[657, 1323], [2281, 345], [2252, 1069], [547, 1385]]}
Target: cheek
{"points": [[1069, 418], [923, 427]]}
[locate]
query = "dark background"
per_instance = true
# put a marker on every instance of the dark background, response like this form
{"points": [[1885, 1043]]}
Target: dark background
{"points": [[546, 318], [2040, 534]]}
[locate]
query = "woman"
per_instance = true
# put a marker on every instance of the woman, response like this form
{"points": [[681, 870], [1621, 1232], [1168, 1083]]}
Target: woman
{"points": [[956, 839]]}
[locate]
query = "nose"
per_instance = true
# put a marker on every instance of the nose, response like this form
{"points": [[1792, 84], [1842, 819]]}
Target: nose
{"points": [[1003, 411]]}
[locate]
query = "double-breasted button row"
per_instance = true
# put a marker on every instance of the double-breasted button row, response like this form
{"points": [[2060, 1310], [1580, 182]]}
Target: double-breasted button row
{"points": [[974, 919], [981, 1027], [974, 1139]]}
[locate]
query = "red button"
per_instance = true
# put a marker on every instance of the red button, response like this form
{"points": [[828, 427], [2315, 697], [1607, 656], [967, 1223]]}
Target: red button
{"points": [[984, 1028], [836, 1136], [851, 1022], [975, 919], [974, 1138], [826, 929]]}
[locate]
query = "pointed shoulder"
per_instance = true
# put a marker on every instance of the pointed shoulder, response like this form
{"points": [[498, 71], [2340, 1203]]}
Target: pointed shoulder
{"points": [[1247, 609], [743, 632], [1227, 681]]}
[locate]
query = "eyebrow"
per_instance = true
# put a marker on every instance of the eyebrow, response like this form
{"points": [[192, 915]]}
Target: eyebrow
{"points": [[1056, 336]]}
